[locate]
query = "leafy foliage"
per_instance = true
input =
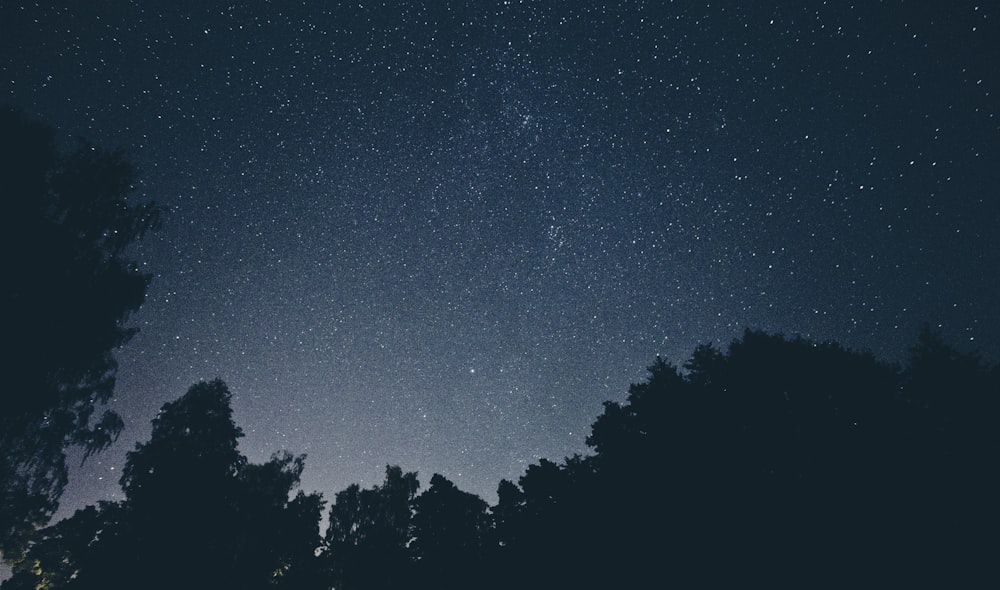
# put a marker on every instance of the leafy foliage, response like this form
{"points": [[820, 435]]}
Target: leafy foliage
{"points": [[786, 462], [779, 462], [365, 544], [69, 289], [449, 531], [196, 514]]}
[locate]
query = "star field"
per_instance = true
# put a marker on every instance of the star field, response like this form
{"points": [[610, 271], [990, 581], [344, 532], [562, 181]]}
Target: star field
{"points": [[440, 235]]}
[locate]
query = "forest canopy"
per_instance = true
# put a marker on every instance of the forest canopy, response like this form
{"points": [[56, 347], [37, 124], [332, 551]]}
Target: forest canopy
{"points": [[780, 461]]}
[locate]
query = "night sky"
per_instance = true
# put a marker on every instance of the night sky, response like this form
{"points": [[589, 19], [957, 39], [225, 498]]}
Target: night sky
{"points": [[440, 234]]}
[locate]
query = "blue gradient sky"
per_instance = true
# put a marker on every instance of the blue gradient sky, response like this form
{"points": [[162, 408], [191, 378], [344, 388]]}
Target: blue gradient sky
{"points": [[440, 236]]}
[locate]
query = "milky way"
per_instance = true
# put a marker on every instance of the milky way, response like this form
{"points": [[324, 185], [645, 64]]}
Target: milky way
{"points": [[440, 236]]}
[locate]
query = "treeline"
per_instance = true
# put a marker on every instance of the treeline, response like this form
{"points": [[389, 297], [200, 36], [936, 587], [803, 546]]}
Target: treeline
{"points": [[777, 461]]}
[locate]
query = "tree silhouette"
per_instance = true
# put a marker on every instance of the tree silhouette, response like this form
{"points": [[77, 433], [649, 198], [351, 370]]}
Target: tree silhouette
{"points": [[183, 480], [196, 515], [365, 543], [449, 530], [69, 290], [780, 462], [277, 535]]}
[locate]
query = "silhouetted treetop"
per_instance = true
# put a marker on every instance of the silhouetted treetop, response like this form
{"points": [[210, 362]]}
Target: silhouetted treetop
{"points": [[447, 522], [193, 445], [366, 541], [449, 533]]}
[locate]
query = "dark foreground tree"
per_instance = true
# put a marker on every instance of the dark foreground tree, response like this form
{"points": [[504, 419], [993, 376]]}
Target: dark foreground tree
{"points": [[196, 515], [366, 541], [448, 536], [780, 463], [69, 288]]}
